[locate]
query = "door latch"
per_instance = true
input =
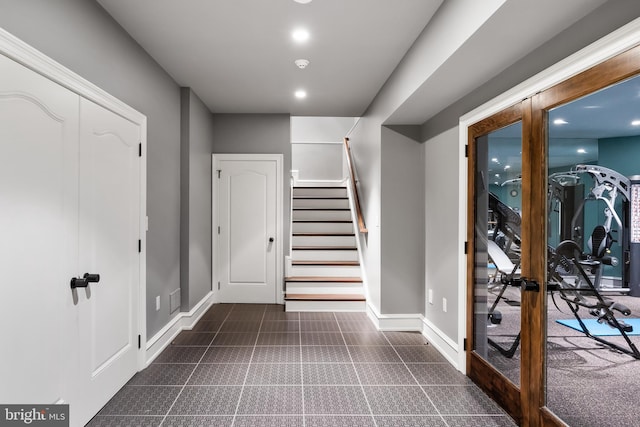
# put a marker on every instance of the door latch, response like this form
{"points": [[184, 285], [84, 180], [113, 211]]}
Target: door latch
{"points": [[530, 285]]}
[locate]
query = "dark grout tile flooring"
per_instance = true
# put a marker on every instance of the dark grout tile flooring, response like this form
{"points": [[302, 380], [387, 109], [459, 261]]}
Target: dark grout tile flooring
{"points": [[255, 365]]}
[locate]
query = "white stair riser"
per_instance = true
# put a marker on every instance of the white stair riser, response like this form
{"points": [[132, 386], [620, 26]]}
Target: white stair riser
{"points": [[319, 192], [324, 271], [319, 215], [325, 306], [323, 255], [315, 290], [321, 203], [322, 227], [348, 241]]}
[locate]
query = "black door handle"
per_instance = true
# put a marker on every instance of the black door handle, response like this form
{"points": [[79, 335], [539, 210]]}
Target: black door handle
{"points": [[83, 282], [271, 239], [530, 285]]}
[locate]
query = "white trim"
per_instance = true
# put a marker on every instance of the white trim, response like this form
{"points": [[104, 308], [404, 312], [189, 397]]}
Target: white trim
{"points": [[181, 322], [605, 48], [319, 142], [417, 322], [279, 159], [445, 345], [21, 52]]}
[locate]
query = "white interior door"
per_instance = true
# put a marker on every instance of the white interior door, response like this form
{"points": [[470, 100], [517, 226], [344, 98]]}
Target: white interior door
{"points": [[38, 232], [109, 213], [70, 197], [248, 240]]}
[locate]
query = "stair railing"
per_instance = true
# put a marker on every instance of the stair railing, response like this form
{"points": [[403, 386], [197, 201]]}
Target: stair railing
{"points": [[354, 187]]}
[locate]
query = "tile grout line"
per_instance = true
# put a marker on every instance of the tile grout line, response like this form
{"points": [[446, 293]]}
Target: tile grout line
{"points": [[415, 379], [353, 365], [246, 375], [194, 368], [304, 416]]}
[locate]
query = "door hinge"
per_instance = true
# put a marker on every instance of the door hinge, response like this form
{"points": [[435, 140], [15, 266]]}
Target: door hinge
{"points": [[218, 229], [219, 172], [140, 150], [464, 344], [466, 248], [466, 150], [218, 285], [139, 341], [139, 246]]}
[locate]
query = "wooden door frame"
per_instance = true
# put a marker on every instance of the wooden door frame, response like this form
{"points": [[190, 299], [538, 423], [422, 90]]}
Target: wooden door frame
{"points": [[21, 52], [479, 370], [215, 262], [609, 60]]}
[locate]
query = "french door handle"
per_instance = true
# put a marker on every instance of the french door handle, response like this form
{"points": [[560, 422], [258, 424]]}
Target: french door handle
{"points": [[83, 282], [271, 239], [530, 285]]}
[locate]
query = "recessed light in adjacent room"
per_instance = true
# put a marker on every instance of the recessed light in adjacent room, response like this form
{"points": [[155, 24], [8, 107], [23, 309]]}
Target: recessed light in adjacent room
{"points": [[300, 94], [560, 122], [300, 35], [635, 123], [495, 160], [582, 151], [507, 167]]}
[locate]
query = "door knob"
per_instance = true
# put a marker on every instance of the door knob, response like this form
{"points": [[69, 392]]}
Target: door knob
{"points": [[271, 239]]}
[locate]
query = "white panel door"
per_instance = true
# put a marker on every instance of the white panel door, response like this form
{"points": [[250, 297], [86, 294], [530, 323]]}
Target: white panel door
{"points": [[109, 212], [38, 233], [247, 241]]}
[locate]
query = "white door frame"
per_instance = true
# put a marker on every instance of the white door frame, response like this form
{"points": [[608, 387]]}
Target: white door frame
{"points": [[19, 51], [278, 158]]}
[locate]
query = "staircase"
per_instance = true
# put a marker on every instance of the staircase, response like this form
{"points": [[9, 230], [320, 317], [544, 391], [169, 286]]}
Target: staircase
{"points": [[324, 274]]}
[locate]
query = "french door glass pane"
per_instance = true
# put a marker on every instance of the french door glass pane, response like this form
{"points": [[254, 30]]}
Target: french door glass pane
{"points": [[497, 249], [593, 262]]}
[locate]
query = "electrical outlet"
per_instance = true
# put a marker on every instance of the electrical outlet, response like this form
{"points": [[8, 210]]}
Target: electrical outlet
{"points": [[431, 296], [158, 303], [444, 305]]}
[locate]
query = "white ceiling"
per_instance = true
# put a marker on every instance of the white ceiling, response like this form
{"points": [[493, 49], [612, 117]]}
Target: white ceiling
{"points": [[238, 55]]}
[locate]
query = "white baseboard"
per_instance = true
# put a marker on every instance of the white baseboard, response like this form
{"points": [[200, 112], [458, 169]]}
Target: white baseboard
{"points": [[417, 322], [445, 345], [394, 322], [183, 321]]}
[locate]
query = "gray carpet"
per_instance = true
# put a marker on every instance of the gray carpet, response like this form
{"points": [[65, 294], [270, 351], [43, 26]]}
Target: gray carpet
{"points": [[588, 383]]}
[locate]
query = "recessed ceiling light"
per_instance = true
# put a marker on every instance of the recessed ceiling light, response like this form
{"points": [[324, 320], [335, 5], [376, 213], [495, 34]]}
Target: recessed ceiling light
{"points": [[300, 94], [635, 123], [507, 167], [582, 151], [560, 122], [300, 35], [494, 160], [302, 1], [497, 175]]}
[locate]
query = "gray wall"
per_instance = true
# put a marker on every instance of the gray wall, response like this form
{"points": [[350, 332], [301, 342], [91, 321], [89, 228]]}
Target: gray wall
{"points": [[195, 243], [317, 148], [402, 224], [258, 134], [373, 149], [82, 36]]}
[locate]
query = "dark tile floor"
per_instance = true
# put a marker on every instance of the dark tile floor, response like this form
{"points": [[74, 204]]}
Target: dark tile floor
{"points": [[255, 365]]}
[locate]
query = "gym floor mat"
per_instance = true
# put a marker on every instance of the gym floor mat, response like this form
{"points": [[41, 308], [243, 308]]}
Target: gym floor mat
{"points": [[601, 329]]}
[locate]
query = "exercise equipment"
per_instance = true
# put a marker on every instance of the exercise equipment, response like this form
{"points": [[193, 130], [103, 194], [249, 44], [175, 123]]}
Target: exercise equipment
{"points": [[568, 262]]}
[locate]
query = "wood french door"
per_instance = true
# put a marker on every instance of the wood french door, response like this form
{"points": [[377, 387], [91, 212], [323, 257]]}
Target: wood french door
{"points": [[508, 242]]}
